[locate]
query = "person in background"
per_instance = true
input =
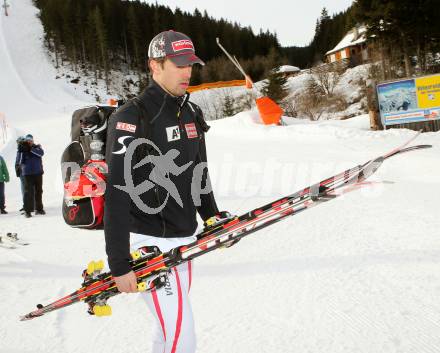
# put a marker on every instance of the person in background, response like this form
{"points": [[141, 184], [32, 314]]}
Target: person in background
{"points": [[29, 159], [4, 178], [20, 142]]}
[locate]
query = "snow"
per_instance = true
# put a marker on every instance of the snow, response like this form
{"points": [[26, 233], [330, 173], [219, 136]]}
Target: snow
{"points": [[348, 88], [357, 274], [288, 68], [25, 67]]}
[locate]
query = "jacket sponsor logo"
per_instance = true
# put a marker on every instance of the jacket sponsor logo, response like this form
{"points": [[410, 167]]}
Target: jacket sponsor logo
{"points": [[173, 133], [182, 45], [121, 141], [126, 127], [191, 130]]}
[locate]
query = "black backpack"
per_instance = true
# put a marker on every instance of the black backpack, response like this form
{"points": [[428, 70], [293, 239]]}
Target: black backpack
{"points": [[88, 142], [88, 139]]}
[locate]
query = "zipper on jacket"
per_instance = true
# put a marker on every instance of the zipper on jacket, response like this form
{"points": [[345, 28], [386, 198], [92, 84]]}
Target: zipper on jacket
{"points": [[160, 212], [180, 120], [181, 105]]}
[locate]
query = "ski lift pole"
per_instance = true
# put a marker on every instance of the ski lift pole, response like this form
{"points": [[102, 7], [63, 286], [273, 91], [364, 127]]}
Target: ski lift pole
{"points": [[5, 6], [270, 112], [236, 63], [233, 59]]}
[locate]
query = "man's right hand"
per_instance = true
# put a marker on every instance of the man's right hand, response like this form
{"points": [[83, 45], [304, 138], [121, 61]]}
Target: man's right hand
{"points": [[126, 283]]}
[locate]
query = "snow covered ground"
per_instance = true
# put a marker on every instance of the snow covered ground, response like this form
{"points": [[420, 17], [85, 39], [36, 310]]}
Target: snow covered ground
{"points": [[357, 274]]}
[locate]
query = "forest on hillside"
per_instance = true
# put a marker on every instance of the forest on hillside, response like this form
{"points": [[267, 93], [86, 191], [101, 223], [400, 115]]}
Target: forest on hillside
{"points": [[95, 37], [101, 35]]}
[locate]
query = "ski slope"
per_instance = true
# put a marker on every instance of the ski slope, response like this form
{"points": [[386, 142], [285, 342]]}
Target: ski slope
{"points": [[29, 86], [357, 274]]}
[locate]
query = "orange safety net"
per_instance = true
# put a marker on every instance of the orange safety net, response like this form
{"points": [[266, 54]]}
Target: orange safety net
{"points": [[219, 84]]}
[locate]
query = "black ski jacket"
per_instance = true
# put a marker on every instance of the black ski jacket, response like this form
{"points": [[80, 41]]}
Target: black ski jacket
{"points": [[171, 123]]}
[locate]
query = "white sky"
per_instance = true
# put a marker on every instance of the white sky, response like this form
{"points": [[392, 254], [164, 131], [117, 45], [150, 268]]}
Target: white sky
{"points": [[293, 20]]}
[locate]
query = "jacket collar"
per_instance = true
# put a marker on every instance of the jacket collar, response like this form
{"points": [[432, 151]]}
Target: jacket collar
{"points": [[159, 95]]}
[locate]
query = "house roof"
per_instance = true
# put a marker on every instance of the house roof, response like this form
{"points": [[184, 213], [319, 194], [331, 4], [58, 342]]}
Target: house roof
{"points": [[355, 36], [288, 68]]}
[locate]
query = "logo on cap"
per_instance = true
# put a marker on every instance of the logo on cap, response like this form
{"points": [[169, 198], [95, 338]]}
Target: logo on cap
{"points": [[157, 47], [183, 44]]}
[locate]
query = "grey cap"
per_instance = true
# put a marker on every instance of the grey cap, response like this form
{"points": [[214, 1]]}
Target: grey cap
{"points": [[176, 46]]}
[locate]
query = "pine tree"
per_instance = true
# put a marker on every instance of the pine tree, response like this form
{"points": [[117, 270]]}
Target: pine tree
{"points": [[135, 37], [101, 36], [275, 87], [91, 48], [228, 106]]}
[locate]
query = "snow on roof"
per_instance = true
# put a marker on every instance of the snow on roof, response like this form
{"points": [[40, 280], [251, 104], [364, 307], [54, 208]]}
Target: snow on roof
{"points": [[355, 36], [288, 68]]}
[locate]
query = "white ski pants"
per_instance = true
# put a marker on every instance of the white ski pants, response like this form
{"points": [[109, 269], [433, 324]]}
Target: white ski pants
{"points": [[174, 324]]}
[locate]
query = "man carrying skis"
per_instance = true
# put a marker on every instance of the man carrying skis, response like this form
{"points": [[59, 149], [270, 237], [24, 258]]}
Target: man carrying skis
{"points": [[175, 184]]}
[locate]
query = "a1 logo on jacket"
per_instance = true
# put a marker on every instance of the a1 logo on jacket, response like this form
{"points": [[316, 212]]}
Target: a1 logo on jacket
{"points": [[173, 133]]}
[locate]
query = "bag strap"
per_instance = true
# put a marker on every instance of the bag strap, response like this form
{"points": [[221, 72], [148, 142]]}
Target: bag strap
{"points": [[144, 117], [144, 131]]}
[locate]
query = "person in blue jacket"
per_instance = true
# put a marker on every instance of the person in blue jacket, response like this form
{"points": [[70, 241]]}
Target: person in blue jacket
{"points": [[20, 141], [29, 160], [4, 178]]}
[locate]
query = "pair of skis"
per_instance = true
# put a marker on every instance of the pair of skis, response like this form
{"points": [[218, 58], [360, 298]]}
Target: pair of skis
{"points": [[151, 266], [11, 241]]}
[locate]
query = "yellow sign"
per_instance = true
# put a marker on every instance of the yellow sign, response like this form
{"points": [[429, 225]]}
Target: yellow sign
{"points": [[428, 91]]}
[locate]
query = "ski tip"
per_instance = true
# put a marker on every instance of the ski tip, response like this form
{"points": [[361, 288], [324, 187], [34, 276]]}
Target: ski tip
{"points": [[33, 314], [29, 316], [423, 146]]}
